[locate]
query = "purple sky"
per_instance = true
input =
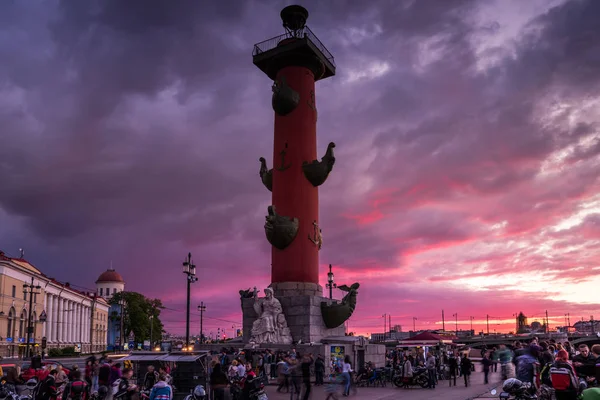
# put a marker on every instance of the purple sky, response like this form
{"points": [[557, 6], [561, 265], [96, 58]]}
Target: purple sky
{"points": [[467, 151]]}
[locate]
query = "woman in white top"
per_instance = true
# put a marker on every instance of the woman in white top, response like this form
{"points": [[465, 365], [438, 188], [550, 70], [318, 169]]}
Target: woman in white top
{"points": [[346, 370]]}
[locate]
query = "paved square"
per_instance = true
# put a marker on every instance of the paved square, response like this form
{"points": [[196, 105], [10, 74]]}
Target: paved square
{"points": [[441, 392]]}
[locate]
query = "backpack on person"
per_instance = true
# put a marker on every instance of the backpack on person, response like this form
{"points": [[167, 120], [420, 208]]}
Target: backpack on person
{"points": [[562, 379], [77, 390]]}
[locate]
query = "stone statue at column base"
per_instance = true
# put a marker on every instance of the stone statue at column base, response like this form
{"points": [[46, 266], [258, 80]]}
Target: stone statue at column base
{"points": [[270, 326]]}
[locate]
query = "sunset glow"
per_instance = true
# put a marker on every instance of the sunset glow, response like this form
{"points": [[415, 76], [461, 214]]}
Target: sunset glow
{"points": [[467, 160]]}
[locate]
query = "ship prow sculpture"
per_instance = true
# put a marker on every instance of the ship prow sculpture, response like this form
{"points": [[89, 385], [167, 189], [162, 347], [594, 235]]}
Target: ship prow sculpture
{"points": [[335, 314]]}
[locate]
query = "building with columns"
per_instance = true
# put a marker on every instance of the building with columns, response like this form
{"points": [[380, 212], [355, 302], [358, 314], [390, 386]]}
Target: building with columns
{"points": [[66, 317]]}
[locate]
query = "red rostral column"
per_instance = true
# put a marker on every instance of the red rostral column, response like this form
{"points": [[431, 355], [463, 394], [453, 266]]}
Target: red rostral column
{"points": [[294, 61]]}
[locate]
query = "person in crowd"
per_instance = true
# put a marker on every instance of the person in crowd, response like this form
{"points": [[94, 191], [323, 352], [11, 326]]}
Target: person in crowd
{"points": [[526, 364], [162, 370], [115, 373], [61, 376], [76, 389], [218, 382], [151, 377], [596, 352], [494, 358], [585, 363], [232, 372], [487, 364], [241, 368], [307, 361], [295, 372], [49, 388], [505, 357], [546, 355], [346, 373], [72, 372], [163, 391], [465, 368], [126, 389], [407, 371], [95, 373], [283, 374], [452, 368], [88, 372], [104, 374], [430, 365], [319, 370]]}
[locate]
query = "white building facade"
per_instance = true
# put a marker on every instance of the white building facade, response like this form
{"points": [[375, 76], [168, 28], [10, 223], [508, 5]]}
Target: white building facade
{"points": [[61, 316]]}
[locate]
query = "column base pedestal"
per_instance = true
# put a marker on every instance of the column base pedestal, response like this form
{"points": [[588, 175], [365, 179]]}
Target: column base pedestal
{"points": [[301, 303]]}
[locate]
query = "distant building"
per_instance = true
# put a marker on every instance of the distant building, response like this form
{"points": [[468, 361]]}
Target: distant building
{"points": [[587, 326], [108, 284]]}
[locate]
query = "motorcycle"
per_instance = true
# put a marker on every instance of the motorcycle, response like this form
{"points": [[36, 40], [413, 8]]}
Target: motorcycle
{"points": [[517, 390], [197, 394], [420, 378]]}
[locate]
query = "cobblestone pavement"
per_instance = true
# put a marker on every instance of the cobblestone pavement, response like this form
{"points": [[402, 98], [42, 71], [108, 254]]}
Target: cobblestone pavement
{"points": [[477, 390]]}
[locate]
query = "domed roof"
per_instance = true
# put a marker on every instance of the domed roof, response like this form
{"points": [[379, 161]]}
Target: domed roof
{"points": [[110, 275]]}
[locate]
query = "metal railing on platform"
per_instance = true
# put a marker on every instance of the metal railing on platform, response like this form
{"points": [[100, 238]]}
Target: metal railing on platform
{"points": [[306, 33]]}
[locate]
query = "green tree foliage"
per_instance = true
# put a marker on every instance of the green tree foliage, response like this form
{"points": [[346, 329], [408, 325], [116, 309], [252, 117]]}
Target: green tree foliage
{"points": [[139, 313]]}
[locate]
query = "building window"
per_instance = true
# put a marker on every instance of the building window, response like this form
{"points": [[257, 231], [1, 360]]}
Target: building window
{"points": [[24, 295], [14, 291], [22, 326], [100, 291], [35, 298], [114, 290], [11, 323]]}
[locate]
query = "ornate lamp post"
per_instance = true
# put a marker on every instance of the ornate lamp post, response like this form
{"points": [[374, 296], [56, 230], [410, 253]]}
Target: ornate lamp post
{"points": [[201, 308], [30, 289], [190, 270], [330, 283]]}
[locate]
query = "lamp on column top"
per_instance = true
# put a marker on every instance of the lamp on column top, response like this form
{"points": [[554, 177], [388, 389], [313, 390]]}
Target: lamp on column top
{"points": [[330, 283]]}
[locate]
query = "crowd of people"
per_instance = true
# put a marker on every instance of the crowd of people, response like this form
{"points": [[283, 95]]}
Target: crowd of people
{"points": [[112, 380], [290, 369]]}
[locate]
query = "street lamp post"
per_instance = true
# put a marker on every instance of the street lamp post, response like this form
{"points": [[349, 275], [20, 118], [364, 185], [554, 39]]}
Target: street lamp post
{"points": [[330, 283], [472, 318], [190, 270], [151, 326], [456, 323], [121, 324], [30, 289], [414, 324], [201, 308]]}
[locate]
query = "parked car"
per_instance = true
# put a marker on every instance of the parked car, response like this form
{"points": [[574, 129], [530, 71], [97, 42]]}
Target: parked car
{"points": [[27, 372]]}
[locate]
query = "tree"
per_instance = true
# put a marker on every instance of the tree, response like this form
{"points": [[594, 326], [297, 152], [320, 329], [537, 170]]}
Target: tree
{"points": [[139, 313]]}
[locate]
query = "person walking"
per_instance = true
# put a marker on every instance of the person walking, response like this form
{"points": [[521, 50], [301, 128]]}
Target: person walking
{"points": [[430, 365], [307, 361], [319, 370], [453, 369], [487, 364], [465, 368], [346, 371]]}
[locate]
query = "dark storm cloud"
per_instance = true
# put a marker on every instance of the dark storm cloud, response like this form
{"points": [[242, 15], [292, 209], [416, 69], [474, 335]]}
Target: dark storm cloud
{"points": [[131, 132]]}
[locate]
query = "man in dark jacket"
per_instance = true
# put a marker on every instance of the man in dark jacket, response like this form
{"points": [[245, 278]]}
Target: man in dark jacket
{"points": [[104, 374], [585, 363], [126, 389], [48, 390], [307, 361], [319, 370], [151, 378], [77, 389]]}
